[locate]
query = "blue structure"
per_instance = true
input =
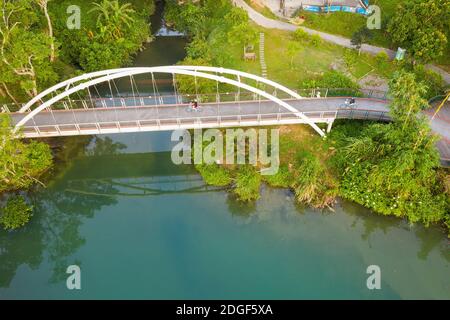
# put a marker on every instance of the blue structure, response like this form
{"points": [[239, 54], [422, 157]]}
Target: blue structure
{"points": [[325, 9]]}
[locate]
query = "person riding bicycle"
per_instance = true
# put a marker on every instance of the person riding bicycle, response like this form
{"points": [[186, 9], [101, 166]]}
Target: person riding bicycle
{"points": [[350, 102], [193, 105]]}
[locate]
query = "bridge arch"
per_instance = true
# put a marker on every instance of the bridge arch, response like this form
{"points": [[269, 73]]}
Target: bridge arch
{"points": [[97, 74], [194, 71]]}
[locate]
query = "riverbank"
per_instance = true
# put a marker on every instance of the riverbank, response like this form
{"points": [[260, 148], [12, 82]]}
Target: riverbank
{"points": [[299, 60], [312, 169]]}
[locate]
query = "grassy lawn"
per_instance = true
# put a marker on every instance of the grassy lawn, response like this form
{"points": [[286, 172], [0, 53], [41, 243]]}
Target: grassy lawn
{"points": [[309, 62], [344, 24], [341, 23]]}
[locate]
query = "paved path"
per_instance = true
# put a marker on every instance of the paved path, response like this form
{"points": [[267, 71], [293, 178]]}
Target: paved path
{"points": [[226, 114], [341, 41]]}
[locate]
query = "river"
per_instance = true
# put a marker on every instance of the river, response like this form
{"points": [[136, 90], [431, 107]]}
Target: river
{"points": [[141, 227]]}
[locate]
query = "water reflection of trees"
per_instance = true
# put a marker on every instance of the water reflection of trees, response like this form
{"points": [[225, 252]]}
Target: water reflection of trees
{"points": [[371, 222], [54, 229], [239, 208], [104, 146], [429, 238], [14, 253], [61, 210]]}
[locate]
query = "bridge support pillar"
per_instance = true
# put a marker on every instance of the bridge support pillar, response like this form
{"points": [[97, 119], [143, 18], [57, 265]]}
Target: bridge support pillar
{"points": [[330, 124]]}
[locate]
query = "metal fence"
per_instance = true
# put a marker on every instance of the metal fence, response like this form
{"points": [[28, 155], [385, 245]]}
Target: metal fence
{"points": [[198, 121], [124, 100]]}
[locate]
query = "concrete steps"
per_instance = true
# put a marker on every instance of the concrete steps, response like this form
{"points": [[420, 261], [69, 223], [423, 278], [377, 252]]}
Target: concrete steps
{"points": [[262, 59]]}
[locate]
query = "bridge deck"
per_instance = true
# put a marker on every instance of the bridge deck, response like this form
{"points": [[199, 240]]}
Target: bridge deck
{"points": [[107, 120]]}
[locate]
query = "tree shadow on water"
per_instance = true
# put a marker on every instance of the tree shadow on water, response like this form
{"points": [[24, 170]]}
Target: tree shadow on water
{"points": [[54, 232], [239, 208]]}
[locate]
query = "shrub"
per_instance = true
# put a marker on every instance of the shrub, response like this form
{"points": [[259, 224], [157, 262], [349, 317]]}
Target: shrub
{"points": [[282, 179], [16, 213], [199, 49], [312, 186], [248, 182], [382, 57], [333, 79], [350, 58], [21, 163], [433, 81], [214, 175], [301, 35], [316, 40]]}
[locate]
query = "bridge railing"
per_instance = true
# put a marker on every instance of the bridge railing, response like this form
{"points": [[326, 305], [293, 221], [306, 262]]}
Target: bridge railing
{"points": [[343, 92], [201, 121], [126, 99]]}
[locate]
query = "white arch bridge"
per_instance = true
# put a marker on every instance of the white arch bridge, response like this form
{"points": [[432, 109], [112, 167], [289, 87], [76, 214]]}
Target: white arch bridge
{"points": [[93, 104]]}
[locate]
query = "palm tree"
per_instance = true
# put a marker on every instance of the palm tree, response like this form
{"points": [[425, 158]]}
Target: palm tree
{"points": [[113, 15]]}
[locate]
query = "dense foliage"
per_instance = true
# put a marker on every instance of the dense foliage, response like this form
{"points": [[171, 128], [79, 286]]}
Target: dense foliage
{"points": [[111, 32], [247, 183], [330, 79], [25, 49], [16, 213], [214, 174], [422, 27], [38, 49], [212, 26], [310, 182], [21, 163], [391, 168]]}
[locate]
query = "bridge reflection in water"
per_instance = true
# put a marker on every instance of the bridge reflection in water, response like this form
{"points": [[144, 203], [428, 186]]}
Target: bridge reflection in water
{"points": [[146, 174]]}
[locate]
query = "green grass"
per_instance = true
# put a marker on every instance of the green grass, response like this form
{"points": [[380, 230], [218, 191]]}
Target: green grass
{"points": [[342, 23], [282, 179], [387, 6], [361, 69], [310, 62], [214, 174], [345, 24], [248, 182]]}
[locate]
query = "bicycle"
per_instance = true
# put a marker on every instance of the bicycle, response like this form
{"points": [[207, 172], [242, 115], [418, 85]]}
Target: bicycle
{"points": [[193, 107], [348, 104]]}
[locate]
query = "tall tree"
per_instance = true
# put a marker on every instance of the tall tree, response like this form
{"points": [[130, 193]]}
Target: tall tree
{"points": [[21, 164], [24, 50], [113, 16], [407, 96], [242, 34], [360, 37], [293, 49], [43, 4], [421, 27]]}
